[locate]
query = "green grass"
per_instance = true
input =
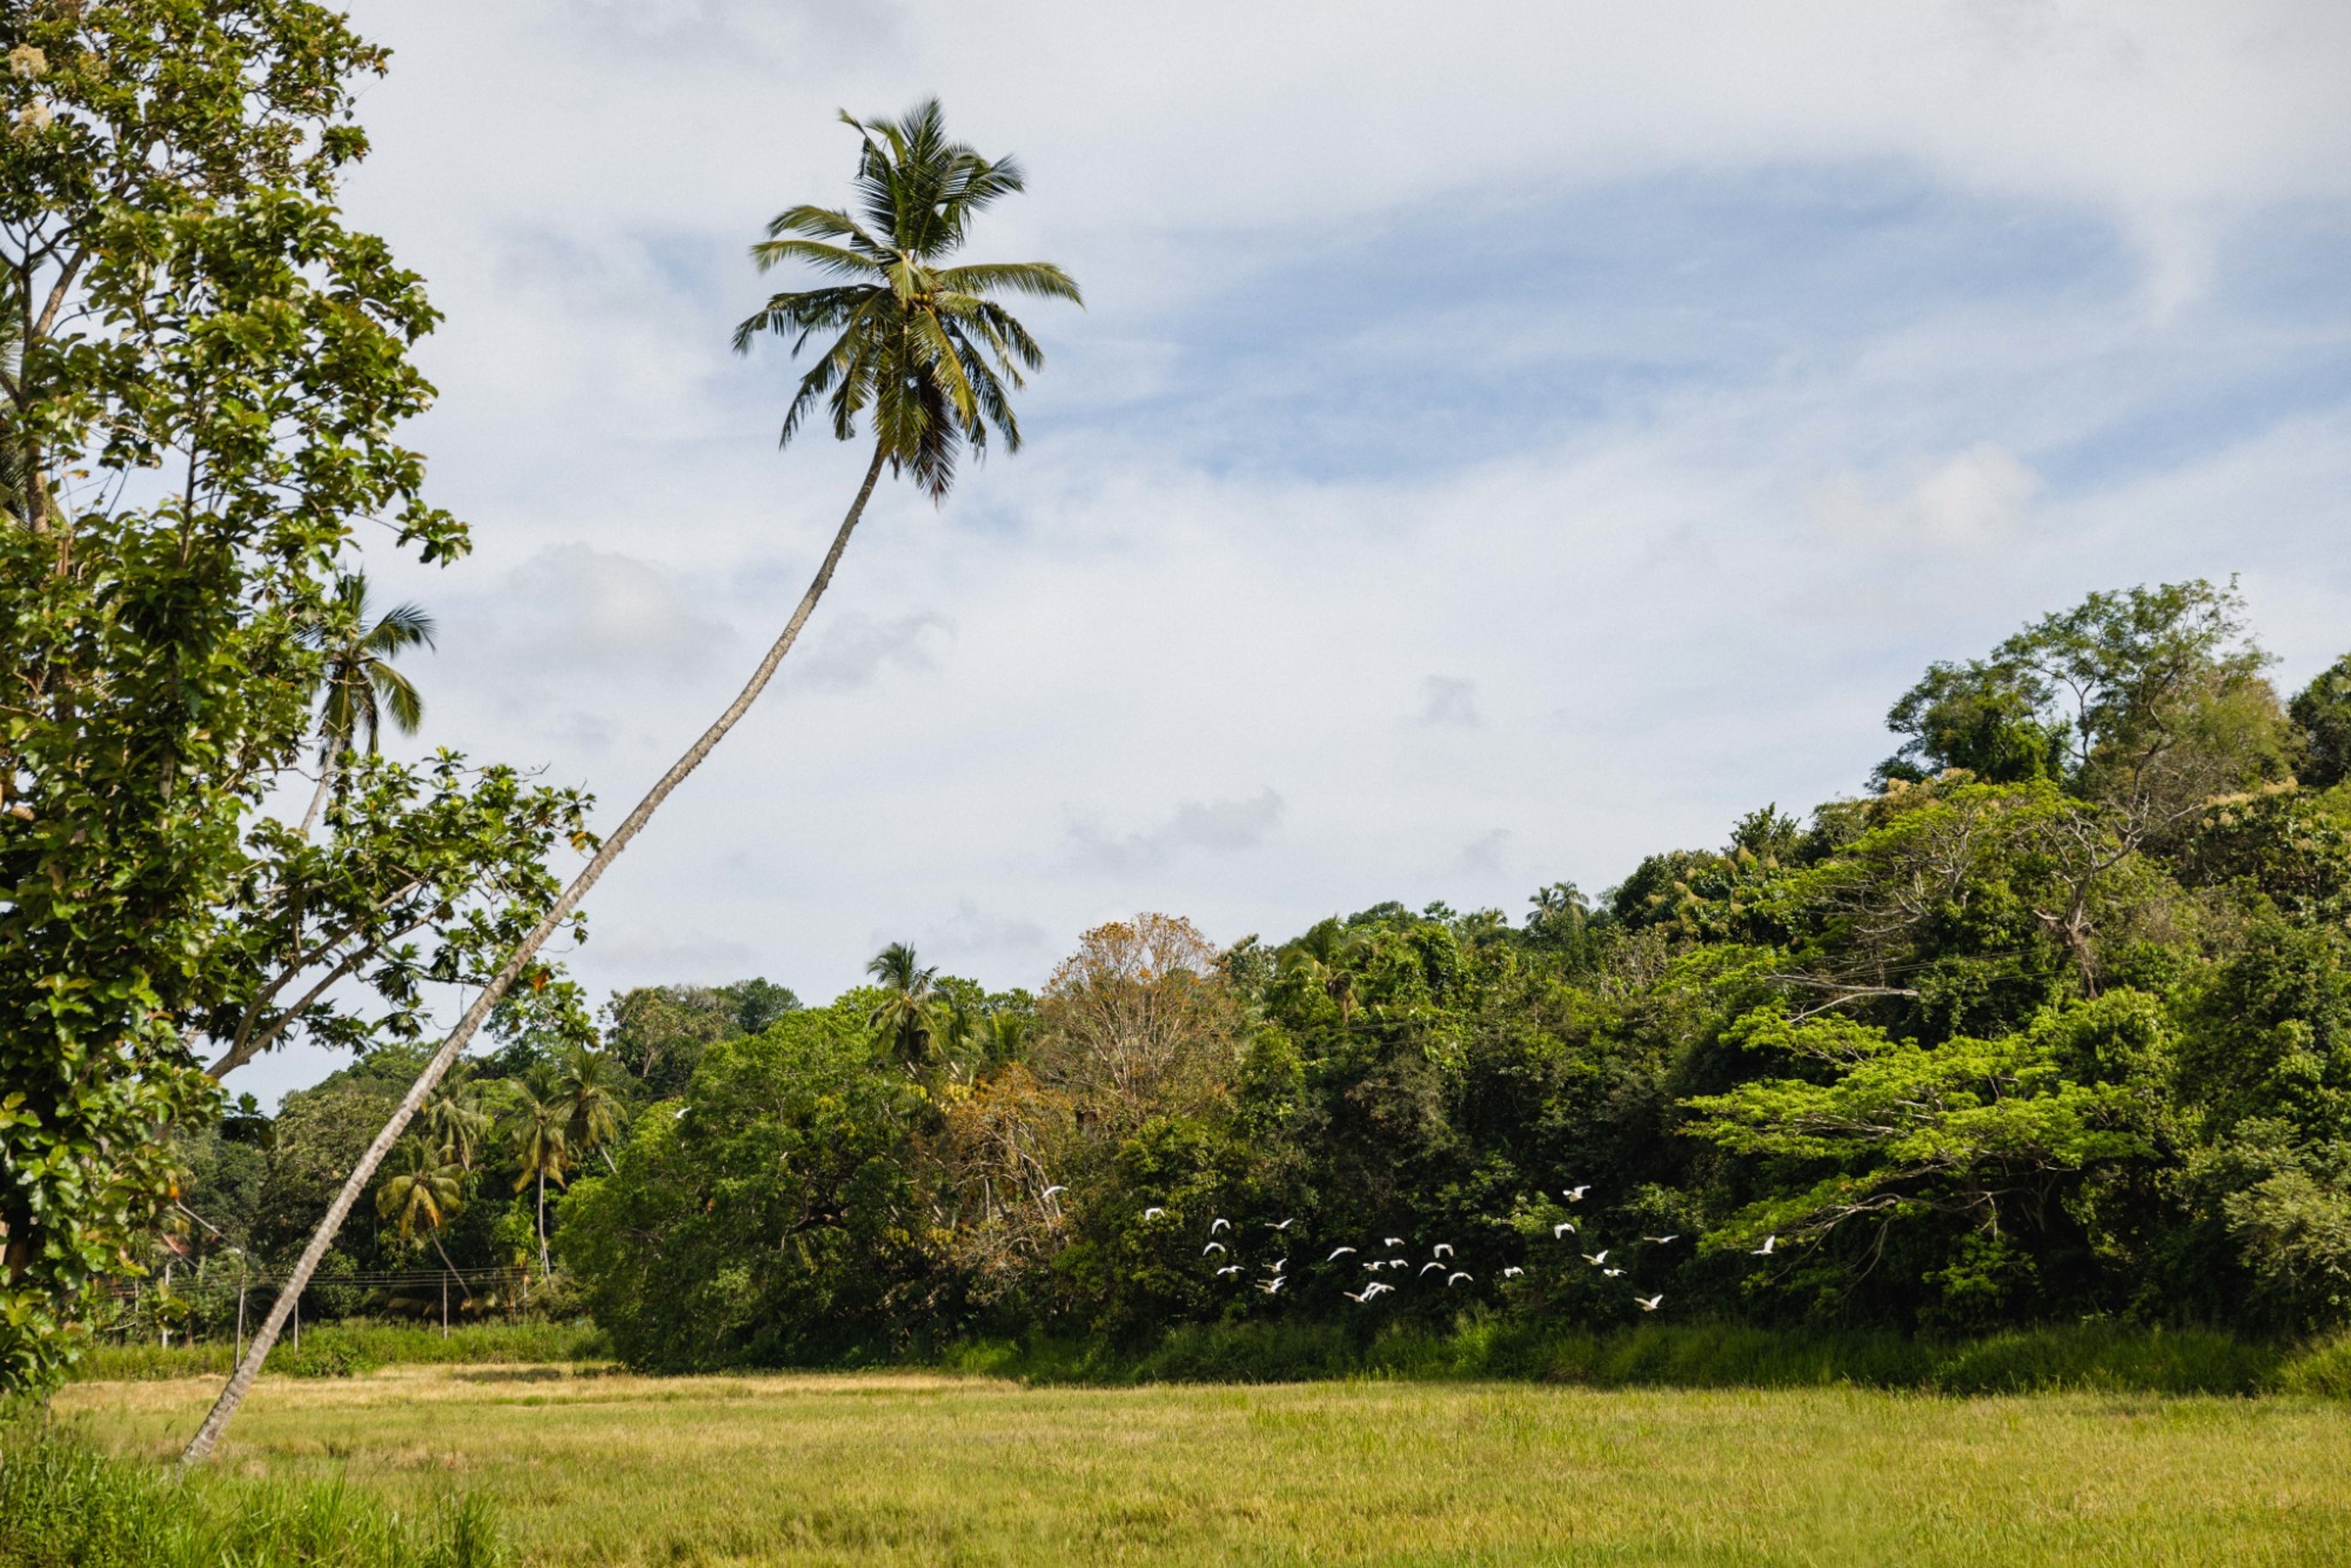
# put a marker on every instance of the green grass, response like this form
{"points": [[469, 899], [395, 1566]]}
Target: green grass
{"points": [[925, 1467], [64, 1504], [343, 1349]]}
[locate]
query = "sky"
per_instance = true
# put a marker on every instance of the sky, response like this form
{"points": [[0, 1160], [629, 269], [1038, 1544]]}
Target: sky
{"points": [[1499, 441]]}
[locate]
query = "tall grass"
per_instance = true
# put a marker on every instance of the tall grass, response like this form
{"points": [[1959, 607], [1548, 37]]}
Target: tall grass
{"points": [[64, 1504], [344, 1349], [2087, 1356]]}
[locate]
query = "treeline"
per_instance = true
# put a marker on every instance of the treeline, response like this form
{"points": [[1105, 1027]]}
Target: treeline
{"points": [[2050, 1025]]}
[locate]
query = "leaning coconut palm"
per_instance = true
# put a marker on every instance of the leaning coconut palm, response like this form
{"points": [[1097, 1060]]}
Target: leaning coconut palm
{"points": [[361, 687], [924, 350]]}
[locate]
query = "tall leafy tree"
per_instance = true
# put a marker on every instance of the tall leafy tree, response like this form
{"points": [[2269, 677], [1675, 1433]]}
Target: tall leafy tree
{"points": [[202, 376], [919, 345]]}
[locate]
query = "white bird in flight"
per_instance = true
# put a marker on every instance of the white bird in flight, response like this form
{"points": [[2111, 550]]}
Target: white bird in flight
{"points": [[1424, 1268], [1513, 1272], [1286, 1224], [1152, 1213], [1275, 1267], [1392, 1241], [1337, 1253], [1442, 1249], [1611, 1273], [1220, 1225], [1399, 1262], [1271, 1287], [1597, 1259], [1453, 1278], [1769, 1243], [1564, 1227], [1212, 1247], [1661, 1240], [1373, 1266], [1575, 1193], [1229, 1268], [1374, 1288], [1650, 1303]]}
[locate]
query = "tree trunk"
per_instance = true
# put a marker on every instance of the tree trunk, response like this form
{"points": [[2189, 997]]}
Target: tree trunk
{"points": [[545, 1267], [216, 1420], [317, 799]]}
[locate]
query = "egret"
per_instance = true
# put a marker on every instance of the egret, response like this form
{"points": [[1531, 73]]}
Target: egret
{"points": [[1374, 1288], [1220, 1225], [1597, 1259], [1051, 1191], [1271, 1287], [1154, 1213], [1229, 1268], [1650, 1303], [1661, 1240], [1338, 1253], [1443, 1250], [1564, 1227], [1453, 1278], [1424, 1268], [1575, 1193], [1275, 1267], [1513, 1272], [1610, 1273], [1212, 1247], [1769, 1243], [1399, 1263], [1286, 1224], [1392, 1241], [1373, 1266]]}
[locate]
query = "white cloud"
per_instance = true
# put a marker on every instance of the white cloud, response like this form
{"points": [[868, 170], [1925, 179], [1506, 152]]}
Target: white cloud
{"points": [[1973, 500], [1215, 827], [1693, 374], [1449, 701], [853, 650]]}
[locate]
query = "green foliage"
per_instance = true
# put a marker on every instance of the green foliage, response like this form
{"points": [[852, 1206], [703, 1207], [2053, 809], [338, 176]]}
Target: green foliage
{"points": [[2322, 711], [204, 378], [63, 1501], [765, 1216]]}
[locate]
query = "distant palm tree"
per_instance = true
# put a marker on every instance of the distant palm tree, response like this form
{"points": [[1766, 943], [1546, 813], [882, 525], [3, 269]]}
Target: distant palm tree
{"points": [[458, 1118], [917, 345], [912, 1016], [588, 1084], [363, 689], [539, 1136], [424, 1189]]}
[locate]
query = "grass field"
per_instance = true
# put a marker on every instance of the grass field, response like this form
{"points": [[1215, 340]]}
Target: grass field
{"points": [[911, 1467]]}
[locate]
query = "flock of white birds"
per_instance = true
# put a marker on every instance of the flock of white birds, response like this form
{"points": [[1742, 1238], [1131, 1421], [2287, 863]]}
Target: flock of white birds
{"points": [[1440, 1260]]}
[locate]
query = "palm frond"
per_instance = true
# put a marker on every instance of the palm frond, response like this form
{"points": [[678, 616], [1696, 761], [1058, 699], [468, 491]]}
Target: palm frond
{"points": [[1039, 279]]}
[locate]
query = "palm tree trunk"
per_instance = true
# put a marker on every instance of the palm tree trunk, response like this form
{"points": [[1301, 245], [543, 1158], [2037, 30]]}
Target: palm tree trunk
{"points": [[216, 1420], [318, 796], [545, 1267]]}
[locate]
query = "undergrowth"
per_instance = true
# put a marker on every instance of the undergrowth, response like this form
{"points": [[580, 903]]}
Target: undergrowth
{"points": [[2085, 1356], [64, 1504], [347, 1349]]}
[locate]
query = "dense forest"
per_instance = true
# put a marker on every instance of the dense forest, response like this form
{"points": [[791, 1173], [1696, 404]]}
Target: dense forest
{"points": [[2050, 1021]]}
